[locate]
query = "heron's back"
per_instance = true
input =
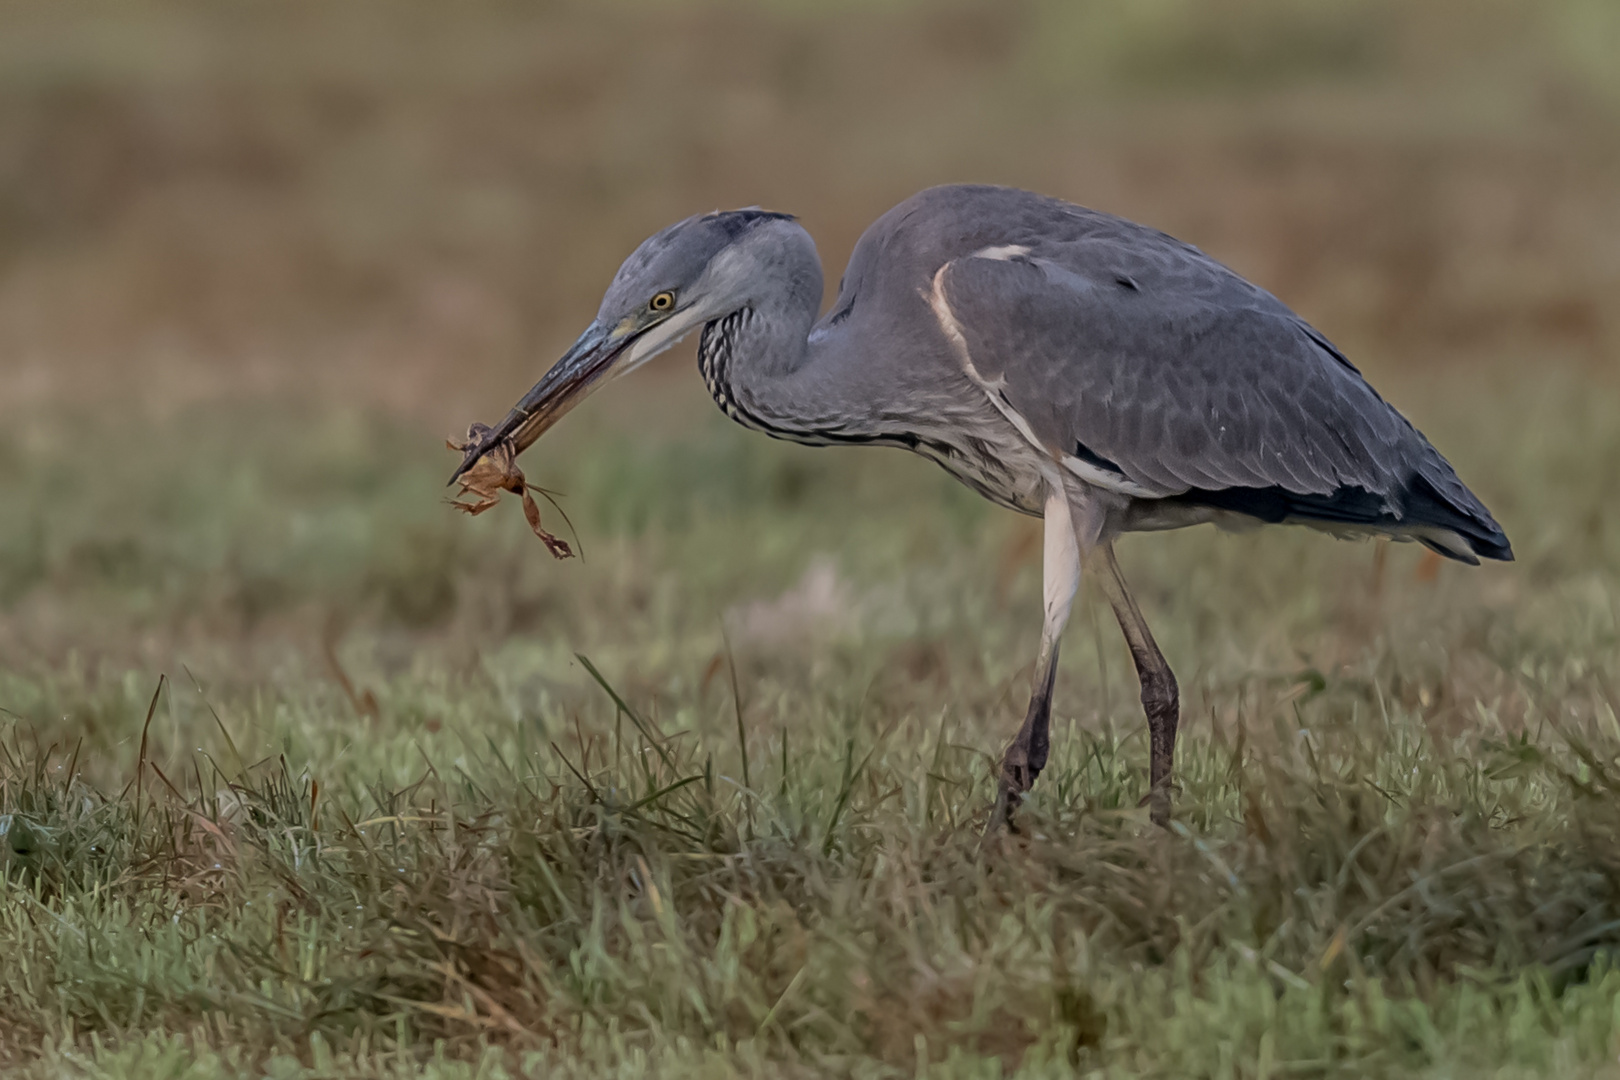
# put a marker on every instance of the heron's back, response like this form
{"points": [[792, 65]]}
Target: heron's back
{"points": [[1146, 369]]}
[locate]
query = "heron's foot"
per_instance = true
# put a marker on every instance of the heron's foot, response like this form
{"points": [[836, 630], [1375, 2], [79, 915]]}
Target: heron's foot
{"points": [[1018, 775], [1001, 815], [1158, 801]]}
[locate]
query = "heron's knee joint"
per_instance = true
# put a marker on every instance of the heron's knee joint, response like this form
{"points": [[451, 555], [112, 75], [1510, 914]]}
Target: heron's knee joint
{"points": [[1160, 694]]}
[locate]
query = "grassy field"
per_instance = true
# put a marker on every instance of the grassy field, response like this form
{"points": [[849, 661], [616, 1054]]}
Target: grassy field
{"points": [[304, 775]]}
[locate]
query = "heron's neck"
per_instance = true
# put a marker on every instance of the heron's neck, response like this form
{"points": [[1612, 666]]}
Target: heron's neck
{"points": [[764, 370]]}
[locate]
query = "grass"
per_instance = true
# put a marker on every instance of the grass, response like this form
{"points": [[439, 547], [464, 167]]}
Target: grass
{"points": [[382, 819]]}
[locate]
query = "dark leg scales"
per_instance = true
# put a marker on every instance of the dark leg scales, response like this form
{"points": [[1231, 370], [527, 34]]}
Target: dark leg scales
{"points": [[1028, 753]]}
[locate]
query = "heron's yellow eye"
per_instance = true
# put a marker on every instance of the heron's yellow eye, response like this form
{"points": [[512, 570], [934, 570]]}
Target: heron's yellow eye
{"points": [[662, 302]]}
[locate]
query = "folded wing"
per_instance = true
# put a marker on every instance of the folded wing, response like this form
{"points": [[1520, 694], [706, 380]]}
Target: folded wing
{"points": [[1151, 368]]}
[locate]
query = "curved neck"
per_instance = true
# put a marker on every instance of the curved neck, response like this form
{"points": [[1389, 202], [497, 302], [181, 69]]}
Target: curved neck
{"points": [[774, 377], [758, 361]]}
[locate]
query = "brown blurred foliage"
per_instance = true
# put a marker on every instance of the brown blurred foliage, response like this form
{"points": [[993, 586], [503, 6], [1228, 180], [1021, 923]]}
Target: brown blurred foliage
{"points": [[415, 206]]}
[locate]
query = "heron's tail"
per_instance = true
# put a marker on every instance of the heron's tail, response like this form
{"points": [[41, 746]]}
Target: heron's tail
{"points": [[1440, 512]]}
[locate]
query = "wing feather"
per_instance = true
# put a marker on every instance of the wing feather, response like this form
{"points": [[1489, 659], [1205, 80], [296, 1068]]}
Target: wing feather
{"points": [[1182, 379], [1186, 379], [1148, 367]]}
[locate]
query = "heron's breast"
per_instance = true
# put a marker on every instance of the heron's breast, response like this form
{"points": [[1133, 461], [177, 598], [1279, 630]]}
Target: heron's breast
{"points": [[991, 459]]}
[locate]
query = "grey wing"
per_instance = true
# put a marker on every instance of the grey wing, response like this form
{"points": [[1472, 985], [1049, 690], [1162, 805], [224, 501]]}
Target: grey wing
{"points": [[1148, 367]]}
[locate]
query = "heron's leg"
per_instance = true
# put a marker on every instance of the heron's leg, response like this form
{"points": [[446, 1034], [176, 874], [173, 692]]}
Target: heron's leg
{"points": [[1160, 696], [1060, 568]]}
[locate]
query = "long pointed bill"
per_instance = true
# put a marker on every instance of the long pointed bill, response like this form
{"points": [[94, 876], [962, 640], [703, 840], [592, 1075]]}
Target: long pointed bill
{"points": [[560, 389]]}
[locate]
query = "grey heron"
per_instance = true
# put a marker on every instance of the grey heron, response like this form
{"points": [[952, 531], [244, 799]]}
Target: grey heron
{"points": [[1061, 362]]}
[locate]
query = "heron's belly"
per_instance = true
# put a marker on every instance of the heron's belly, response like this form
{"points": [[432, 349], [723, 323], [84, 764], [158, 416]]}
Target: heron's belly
{"points": [[1005, 471]]}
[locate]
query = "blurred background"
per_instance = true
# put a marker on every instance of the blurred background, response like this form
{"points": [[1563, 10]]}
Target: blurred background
{"points": [[257, 261], [412, 208]]}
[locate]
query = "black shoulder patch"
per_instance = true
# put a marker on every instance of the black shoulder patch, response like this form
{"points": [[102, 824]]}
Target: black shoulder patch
{"points": [[1094, 459]]}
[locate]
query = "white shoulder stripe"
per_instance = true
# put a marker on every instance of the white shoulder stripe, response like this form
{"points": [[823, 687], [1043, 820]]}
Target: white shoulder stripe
{"points": [[952, 329], [1002, 252], [1106, 479]]}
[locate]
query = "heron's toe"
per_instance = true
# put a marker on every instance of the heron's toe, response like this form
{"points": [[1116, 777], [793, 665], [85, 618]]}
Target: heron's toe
{"points": [[1001, 814], [1158, 800]]}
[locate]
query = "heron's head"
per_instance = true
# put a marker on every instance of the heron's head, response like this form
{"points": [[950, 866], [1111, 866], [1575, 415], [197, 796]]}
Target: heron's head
{"points": [[691, 273]]}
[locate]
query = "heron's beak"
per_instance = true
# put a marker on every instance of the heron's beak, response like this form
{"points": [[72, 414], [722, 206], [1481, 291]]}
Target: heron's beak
{"points": [[560, 389]]}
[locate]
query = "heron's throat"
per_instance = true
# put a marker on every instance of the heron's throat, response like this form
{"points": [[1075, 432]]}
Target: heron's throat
{"points": [[717, 351], [761, 372]]}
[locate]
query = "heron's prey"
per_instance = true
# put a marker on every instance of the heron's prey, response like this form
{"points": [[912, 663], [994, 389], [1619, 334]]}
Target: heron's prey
{"points": [[493, 471]]}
